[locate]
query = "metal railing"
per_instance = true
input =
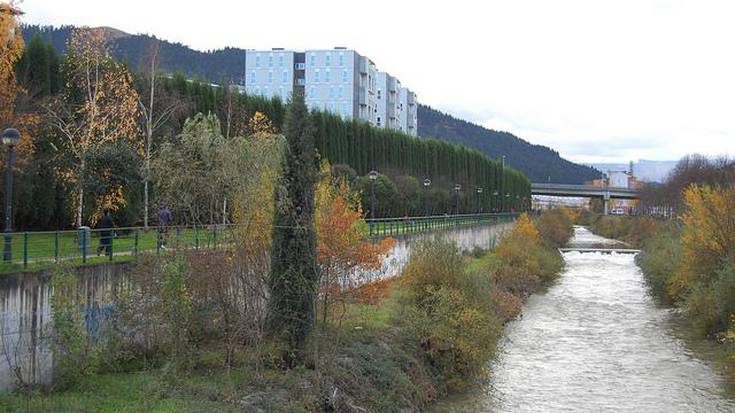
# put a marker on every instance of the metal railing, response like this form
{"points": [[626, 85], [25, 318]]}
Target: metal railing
{"points": [[84, 245], [388, 227]]}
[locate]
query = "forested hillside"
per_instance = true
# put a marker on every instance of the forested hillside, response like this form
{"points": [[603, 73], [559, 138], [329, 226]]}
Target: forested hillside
{"points": [[217, 66], [539, 163]]}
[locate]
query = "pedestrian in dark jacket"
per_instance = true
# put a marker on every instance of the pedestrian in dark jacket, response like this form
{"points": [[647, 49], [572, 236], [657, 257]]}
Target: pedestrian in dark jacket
{"points": [[106, 225], [165, 218]]}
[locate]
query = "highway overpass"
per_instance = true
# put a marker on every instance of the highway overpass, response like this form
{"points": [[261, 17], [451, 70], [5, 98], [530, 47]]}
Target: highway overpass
{"points": [[584, 191]]}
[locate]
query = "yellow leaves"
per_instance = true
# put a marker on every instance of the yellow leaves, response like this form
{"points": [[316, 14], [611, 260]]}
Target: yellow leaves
{"points": [[260, 125], [708, 234], [114, 201], [11, 48], [11, 39]]}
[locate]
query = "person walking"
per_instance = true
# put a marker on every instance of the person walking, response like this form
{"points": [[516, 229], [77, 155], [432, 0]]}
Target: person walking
{"points": [[106, 226], [165, 218]]}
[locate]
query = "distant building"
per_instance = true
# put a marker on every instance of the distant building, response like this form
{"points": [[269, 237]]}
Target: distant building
{"points": [[409, 115], [336, 80], [617, 179]]}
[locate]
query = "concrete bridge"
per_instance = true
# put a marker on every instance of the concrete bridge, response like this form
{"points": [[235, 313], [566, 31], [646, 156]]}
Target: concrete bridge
{"points": [[584, 191]]}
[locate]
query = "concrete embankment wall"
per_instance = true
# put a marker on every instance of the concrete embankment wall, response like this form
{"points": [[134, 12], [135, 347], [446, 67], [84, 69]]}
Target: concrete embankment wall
{"points": [[25, 306]]}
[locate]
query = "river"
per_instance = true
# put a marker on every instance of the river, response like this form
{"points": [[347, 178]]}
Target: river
{"points": [[597, 342]]}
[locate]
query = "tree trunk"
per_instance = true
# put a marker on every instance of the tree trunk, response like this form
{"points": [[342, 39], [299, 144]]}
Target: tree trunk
{"points": [[224, 212], [80, 196], [145, 204], [80, 202]]}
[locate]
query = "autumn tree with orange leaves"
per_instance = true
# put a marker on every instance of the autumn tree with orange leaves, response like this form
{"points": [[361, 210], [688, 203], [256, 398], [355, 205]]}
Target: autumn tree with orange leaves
{"points": [[11, 49], [99, 106], [348, 262]]}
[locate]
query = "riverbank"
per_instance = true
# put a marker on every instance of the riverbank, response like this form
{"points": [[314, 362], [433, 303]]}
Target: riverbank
{"points": [[689, 268], [596, 340], [409, 342]]}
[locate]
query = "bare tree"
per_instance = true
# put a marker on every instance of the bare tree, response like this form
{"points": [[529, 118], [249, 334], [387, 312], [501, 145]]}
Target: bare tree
{"points": [[152, 119]]}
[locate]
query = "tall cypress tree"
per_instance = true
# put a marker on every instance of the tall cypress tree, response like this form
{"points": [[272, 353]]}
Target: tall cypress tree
{"points": [[294, 276]]}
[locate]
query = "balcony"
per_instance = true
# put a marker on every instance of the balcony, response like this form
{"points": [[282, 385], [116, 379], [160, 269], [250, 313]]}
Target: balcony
{"points": [[362, 97], [300, 66]]}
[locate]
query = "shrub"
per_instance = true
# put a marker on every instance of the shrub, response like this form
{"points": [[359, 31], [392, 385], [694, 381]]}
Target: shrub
{"points": [[450, 312], [659, 260], [556, 227], [75, 355], [516, 266]]}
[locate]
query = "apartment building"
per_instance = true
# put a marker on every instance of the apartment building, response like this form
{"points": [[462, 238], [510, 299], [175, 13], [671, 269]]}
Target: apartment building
{"points": [[337, 80], [409, 112], [387, 94]]}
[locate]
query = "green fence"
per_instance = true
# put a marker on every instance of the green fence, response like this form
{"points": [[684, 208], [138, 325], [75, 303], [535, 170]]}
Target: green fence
{"points": [[390, 227], [83, 246], [38, 249]]}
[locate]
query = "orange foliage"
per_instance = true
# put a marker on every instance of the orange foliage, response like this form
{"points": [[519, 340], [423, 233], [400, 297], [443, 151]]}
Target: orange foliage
{"points": [[348, 262], [11, 49]]}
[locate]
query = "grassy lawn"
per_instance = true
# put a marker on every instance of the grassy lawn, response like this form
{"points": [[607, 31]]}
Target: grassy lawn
{"points": [[131, 392], [41, 248]]}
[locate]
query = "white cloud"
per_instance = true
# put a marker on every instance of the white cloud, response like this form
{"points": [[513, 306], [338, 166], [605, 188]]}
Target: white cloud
{"points": [[596, 80]]}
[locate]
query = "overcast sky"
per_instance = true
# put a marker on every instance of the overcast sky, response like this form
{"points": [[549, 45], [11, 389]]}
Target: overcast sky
{"points": [[596, 80]]}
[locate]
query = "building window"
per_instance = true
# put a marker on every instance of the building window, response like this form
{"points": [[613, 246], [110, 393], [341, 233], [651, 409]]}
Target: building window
{"points": [[327, 60], [378, 120], [270, 77], [252, 77], [341, 59], [327, 75], [270, 60], [331, 92], [340, 92], [284, 76], [344, 76], [316, 75], [280, 60], [378, 93], [312, 58], [345, 111], [257, 61]]}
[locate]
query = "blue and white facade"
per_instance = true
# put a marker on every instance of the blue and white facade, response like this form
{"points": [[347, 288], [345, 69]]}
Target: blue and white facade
{"points": [[336, 80]]}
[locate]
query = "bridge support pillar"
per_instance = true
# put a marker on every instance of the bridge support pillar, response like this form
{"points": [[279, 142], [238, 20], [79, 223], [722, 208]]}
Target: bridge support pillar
{"points": [[605, 203]]}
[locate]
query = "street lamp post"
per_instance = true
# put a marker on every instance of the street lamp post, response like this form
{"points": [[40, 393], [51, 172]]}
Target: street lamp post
{"points": [[457, 188], [479, 200], [507, 201], [10, 138], [496, 195], [373, 175], [427, 184]]}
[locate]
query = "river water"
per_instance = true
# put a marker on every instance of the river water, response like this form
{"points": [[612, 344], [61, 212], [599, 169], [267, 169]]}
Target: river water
{"points": [[597, 342]]}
